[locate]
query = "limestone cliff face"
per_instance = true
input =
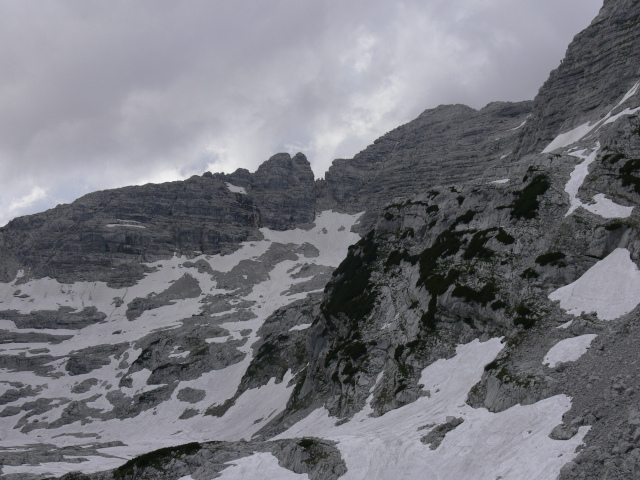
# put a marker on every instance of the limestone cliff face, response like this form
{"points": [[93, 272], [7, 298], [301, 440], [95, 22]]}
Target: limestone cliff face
{"points": [[284, 189], [105, 235], [471, 238], [597, 69], [443, 146]]}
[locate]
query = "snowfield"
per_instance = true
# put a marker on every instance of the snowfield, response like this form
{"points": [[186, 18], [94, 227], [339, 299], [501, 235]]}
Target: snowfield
{"points": [[259, 466], [611, 288], [234, 189], [482, 447], [325, 245], [568, 350]]}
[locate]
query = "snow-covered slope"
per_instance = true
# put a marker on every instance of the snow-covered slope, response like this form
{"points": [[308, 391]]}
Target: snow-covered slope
{"points": [[225, 302], [484, 328]]}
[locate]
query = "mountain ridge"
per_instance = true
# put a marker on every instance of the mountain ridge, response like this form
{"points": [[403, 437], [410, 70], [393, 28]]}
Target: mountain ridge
{"points": [[459, 300]]}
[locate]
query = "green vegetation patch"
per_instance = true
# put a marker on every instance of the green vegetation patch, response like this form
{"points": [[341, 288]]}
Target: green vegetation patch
{"points": [[438, 284], [396, 257], [524, 316], [527, 204], [613, 158], [498, 305], [409, 232], [446, 244], [529, 273], [428, 318], [433, 209], [615, 226], [486, 294], [552, 258], [476, 246], [307, 443], [627, 174], [355, 350], [464, 219], [351, 292], [504, 238]]}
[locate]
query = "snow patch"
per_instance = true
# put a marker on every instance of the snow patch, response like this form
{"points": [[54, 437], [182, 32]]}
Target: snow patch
{"points": [[259, 466], [568, 350], [570, 137], [92, 464], [610, 288], [182, 354], [521, 125], [234, 189], [504, 180], [389, 446], [304, 326], [111, 225], [602, 206], [566, 325], [581, 131], [162, 426]]}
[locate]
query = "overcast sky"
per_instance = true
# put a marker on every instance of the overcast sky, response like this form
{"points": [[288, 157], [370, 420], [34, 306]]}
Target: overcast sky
{"points": [[102, 94]]}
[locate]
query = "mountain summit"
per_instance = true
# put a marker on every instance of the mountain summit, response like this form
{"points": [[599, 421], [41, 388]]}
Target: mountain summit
{"points": [[458, 301]]}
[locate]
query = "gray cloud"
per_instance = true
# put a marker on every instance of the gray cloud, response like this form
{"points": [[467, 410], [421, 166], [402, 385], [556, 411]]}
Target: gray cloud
{"points": [[99, 94]]}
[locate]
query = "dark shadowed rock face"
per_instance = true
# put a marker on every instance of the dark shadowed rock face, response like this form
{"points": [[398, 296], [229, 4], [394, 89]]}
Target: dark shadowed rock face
{"points": [[446, 145], [598, 67]]}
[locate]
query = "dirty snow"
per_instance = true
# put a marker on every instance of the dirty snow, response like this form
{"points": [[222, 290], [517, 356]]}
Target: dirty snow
{"points": [[234, 189], [259, 466], [389, 446], [568, 350], [610, 288], [303, 326]]}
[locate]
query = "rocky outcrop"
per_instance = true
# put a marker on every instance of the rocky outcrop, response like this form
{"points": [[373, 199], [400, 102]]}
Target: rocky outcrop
{"points": [[283, 187], [106, 235], [443, 146], [600, 65], [469, 234], [319, 459]]}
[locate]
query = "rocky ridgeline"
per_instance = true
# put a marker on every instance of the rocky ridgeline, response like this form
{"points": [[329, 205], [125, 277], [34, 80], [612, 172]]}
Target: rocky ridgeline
{"points": [[599, 65], [104, 236], [476, 223], [284, 189], [446, 145]]}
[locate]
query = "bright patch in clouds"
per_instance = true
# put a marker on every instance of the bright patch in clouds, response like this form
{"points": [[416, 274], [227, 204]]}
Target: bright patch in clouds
{"points": [[36, 194], [23, 204]]}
